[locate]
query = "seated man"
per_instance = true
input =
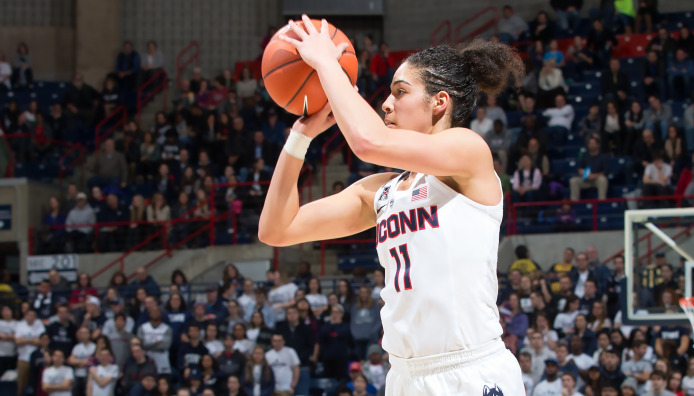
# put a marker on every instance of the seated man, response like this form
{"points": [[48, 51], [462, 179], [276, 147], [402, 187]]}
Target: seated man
{"points": [[680, 74], [592, 171], [561, 116], [656, 181], [510, 26]]}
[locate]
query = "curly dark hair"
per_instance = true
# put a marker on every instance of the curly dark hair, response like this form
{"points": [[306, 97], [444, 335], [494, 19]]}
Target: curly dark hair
{"points": [[465, 71]]}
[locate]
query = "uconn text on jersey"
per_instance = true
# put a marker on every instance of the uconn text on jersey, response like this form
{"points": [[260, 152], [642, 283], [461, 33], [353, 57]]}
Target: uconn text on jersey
{"points": [[412, 220]]}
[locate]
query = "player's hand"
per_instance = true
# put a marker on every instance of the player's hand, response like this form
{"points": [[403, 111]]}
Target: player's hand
{"points": [[314, 47], [315, 124]]}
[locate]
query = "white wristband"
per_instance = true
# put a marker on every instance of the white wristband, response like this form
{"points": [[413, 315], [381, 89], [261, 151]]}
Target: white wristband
{"points": [[297, 145]]}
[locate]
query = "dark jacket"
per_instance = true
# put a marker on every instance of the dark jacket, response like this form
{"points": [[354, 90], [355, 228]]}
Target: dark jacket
{"points": [[300, 338], [267, 385]]}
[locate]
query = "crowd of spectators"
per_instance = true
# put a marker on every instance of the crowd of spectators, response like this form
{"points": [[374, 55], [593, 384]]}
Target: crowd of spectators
{"points": [[565, 324], [631, 118], [237, 337]]}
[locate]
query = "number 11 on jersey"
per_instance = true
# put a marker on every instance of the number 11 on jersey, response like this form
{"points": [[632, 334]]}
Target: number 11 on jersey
{"points": [[406, 258]]}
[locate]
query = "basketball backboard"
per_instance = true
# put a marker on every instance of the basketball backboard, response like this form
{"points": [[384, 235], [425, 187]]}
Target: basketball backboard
{"points": [[669, 235]]}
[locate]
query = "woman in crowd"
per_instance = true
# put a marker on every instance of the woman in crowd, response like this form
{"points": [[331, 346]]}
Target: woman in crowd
{"points": [[234, 316], [345, 294], [247, 85], [259, 333], [150, 154], [258, 378], [158, 213], [234, 387], [163, 387], [22, 70], [231, 277], [210, 372], [599, 316], [315, 297], [81, 292], [675, 149], [242, 343], [138, 216], [211, 340], [564, 321], [633, 124], [53, 239], [365, 321], [612, 134]]}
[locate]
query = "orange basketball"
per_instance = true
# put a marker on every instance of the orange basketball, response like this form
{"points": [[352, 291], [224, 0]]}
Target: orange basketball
{"points": [[292, 83]]}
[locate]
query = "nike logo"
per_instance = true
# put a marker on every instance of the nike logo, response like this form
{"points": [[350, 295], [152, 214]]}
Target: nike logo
{"points": [[382, 206]]}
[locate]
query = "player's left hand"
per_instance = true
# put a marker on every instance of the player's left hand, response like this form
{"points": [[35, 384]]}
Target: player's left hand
{"points": [[314, 47], [315, 124]]}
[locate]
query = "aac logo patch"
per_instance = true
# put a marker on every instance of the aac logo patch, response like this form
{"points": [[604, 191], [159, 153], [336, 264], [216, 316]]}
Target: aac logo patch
{"points": [[495, 391], [384, 194]]}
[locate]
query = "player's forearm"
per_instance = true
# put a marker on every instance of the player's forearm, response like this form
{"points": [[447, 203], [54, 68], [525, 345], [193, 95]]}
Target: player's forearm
{"points": [[358, 122], [282, 200]]}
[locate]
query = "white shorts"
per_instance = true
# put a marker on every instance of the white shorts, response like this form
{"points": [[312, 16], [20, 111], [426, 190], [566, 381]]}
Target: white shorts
{"points": [[486, 370]]}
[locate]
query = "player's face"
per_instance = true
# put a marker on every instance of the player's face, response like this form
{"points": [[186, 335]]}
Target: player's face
{"points": [[408, 106]]}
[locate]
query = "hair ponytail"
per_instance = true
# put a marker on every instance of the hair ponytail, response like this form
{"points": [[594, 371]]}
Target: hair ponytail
{"points": [[494, 65]]}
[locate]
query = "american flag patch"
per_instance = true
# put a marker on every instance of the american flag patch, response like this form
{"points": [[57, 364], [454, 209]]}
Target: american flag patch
{"points": [[419, 193]]}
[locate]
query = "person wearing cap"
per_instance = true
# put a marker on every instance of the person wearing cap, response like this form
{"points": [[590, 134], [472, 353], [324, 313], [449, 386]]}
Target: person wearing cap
{"points": [[285, 365], [62, 332], [195, 381], [93, 318], [78, 225], [637, 366], [333, 338], [551, 385], [629, 386], [375, 370], [658, 385], [539, 353], [116, 306]]}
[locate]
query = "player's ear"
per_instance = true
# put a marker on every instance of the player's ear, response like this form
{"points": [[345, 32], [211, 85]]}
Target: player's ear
{"points": [[440, 102]]}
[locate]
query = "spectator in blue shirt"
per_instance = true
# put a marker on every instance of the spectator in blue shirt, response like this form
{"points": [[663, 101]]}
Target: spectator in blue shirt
{"points": [[144, 280], [680, 74], [554, 53]]}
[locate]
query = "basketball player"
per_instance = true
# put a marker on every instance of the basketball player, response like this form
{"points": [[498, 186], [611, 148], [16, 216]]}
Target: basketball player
{"points": [[437, 224]]}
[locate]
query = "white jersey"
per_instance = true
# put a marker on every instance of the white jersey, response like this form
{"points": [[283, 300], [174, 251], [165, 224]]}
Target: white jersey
{"points": [[439, 250]]}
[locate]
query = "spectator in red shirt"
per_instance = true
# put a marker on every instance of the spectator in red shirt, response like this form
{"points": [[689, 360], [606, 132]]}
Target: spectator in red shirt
{"points": [[382, 67]]}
